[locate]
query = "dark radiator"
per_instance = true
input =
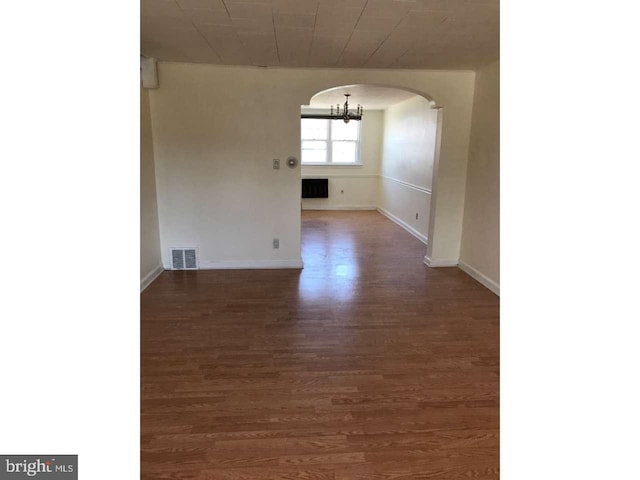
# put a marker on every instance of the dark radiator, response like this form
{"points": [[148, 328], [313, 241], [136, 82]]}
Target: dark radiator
{"points": [[315, 188]]}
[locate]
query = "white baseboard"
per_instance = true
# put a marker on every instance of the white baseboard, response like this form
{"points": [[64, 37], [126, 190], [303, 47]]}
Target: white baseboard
{"points": [[150, 277], [338, 207], [480, 277], [251, 264], [440, 263], [404, 225]]}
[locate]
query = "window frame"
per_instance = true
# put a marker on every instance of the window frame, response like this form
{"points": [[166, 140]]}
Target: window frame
{"points": [[329, 141]]}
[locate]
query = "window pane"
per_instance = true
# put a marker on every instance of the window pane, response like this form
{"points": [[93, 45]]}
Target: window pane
{"points": [[314, 152], [314, 156], [313, 145], [314, 129], [344, 131], [344, 152]]}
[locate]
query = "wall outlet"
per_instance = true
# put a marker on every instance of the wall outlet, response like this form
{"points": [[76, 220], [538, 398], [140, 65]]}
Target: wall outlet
{"points": [[416, 216], [276, 164], [276, 243]]}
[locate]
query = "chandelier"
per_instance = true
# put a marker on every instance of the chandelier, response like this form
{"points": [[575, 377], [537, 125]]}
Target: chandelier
{"points": [[338, 112], [345, 114]]}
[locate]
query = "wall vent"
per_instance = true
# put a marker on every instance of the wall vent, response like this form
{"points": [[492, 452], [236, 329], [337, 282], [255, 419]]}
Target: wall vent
{"points": [[315, 188], [184, 259]]}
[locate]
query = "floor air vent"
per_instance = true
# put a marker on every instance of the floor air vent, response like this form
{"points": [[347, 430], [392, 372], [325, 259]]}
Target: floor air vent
{"points": [[184, 259]]}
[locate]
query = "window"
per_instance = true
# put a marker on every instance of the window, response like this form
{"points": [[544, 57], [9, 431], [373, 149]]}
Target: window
{"points": [[330, 142]]}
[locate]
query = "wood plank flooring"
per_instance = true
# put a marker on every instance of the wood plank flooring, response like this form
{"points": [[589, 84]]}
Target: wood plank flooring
{"points": [[365, 365]]}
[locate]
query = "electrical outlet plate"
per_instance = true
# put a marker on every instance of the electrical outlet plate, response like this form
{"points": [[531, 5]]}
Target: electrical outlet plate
{"points": [[276, 164], [276, 243]]}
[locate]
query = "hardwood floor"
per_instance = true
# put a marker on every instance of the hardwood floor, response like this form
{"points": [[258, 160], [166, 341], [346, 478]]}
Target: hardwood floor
{"points": [[365, 365]]}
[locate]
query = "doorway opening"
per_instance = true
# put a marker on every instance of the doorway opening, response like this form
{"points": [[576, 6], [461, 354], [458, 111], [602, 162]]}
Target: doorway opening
{"points": [[385, 161]]}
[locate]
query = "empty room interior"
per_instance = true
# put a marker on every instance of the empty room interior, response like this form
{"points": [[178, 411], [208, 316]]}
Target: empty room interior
{"points": [[320, 239]]}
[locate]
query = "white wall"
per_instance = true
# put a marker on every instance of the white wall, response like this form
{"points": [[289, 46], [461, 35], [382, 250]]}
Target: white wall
{"points": [[407, 163], [359, 183], [480, 252], [216, 130], [150, 262]]}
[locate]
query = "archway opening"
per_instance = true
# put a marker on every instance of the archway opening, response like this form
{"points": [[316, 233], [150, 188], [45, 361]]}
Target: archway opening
{"points": [[385, 162]]}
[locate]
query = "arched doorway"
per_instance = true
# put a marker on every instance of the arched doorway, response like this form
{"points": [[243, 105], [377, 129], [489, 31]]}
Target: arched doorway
{"points": [[392, 170]]}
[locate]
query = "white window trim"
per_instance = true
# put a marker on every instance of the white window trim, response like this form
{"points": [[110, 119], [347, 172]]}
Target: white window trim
{"points": [[329, 141]]}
